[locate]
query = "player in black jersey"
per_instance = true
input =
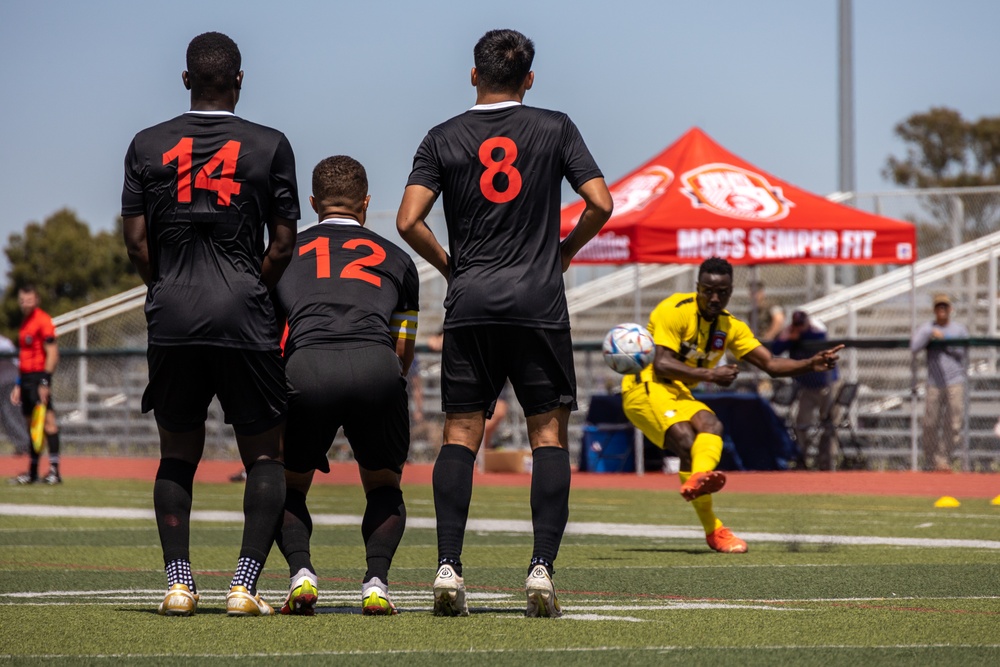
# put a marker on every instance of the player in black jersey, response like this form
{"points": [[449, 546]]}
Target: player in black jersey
{"points": [[351, 300], [199, 192], [500, 167]]}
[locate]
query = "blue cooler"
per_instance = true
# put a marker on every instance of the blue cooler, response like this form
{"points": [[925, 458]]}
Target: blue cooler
{"points": [[609, 447]]}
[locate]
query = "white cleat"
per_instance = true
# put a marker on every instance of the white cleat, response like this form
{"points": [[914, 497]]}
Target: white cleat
{"points": [[449, 593], [541, 594], [375, 599]]}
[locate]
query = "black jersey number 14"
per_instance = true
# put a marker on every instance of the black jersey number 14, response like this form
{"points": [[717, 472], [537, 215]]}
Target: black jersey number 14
{"points": [[504, 165], [354, 270], [226, 157]]}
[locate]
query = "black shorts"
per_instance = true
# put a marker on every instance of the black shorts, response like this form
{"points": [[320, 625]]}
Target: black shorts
{"points": [[360, 389], [475, 361], [29, 393], [183, 379]]}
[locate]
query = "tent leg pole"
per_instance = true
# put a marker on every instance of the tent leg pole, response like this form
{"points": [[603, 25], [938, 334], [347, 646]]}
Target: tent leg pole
{"points": [[640, 454]]}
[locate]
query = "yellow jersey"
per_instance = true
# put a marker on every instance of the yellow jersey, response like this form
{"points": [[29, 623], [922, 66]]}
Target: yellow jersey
{"points": [[677, 324]]}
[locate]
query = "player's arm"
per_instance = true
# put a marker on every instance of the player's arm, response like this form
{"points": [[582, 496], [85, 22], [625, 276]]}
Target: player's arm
{"points": [[598, 208], [762, 358], [412, 226], [668, 365], [281, 236], [137, 246]]}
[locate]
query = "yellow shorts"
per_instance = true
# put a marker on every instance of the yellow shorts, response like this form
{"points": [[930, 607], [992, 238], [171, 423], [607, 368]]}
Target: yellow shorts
{"points": [[656, 406]]}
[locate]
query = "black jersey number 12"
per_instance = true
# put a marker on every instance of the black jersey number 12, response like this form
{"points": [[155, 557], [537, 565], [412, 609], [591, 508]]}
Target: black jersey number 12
{"points": [[354, 270]]}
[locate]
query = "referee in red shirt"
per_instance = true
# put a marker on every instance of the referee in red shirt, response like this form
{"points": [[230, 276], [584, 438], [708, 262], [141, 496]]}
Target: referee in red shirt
{"points": [[38, 356]]}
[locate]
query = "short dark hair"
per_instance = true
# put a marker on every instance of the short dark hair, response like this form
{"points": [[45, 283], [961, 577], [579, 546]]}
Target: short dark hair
{"points": [[715, 266], [503, 60], [213, 63], [340, 181]]}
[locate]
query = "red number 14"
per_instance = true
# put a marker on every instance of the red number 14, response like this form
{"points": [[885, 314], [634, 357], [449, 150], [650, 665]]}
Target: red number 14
{"points": [[226, 157]]}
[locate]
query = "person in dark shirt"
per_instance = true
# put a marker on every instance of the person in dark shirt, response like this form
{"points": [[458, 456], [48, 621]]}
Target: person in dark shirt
{"points": [[499, 167], [815, 395], [200, 191], [351, 300]]}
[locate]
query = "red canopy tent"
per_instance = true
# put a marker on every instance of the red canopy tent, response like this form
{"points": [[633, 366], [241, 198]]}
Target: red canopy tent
{"points": [[697, 200]]}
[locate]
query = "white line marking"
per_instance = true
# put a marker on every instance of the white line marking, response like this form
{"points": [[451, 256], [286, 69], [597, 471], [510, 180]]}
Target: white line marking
{"points": [[508, 526]]}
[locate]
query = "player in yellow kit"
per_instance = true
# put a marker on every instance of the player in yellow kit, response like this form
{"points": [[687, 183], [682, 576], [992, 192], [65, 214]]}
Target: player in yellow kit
{"points": [[692, 333]]}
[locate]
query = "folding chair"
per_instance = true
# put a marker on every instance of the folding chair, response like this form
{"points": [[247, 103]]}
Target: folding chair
{"points": [[784, 396], [840, 421]]}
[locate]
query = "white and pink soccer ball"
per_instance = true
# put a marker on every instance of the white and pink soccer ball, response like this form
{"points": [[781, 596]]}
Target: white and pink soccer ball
{"points": [[628, 348]]}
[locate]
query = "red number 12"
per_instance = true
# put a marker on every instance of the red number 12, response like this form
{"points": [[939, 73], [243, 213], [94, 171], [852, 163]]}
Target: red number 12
{"points": [[354, 270]]}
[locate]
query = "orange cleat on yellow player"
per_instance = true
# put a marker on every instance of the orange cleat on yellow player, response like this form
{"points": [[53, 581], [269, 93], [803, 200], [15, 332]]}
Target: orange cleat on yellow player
{"points": [[702, 483], [723, 541]]}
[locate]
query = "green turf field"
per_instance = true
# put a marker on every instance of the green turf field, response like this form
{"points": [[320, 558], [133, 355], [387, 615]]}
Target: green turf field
{"points": [[829, 580]]}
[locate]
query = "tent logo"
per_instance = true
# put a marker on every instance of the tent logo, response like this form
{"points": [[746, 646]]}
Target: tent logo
{"points": [[735, 193], [635, 192]]}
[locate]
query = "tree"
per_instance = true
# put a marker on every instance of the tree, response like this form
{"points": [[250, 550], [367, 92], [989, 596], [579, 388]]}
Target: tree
{"points": [[69, 266], [945, 150]]}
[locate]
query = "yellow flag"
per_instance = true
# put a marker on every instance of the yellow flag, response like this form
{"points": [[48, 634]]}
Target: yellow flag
{"points": [[38, 427]]}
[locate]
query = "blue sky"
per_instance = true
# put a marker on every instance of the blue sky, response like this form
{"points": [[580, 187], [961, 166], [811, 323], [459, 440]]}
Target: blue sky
{"points": [[368, 79]]}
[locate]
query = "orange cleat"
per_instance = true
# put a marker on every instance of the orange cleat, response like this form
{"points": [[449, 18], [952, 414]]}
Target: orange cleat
{"points": [[702, 483], [723, 541]]}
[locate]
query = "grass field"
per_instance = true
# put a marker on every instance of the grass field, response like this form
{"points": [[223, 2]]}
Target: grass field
{"points": [[829, 580]]}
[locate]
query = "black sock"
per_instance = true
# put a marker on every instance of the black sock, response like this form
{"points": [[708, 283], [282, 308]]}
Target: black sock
{"points": [[382, 529], [172, 504], [295, 531], [550, 480], [33, 463], [452, 480], [263, 508], [53, 441]]}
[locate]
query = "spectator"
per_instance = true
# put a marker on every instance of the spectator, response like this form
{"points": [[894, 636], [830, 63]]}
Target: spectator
{"points": [[766, 318], [815, 390], [945, 400], [10, 415]]}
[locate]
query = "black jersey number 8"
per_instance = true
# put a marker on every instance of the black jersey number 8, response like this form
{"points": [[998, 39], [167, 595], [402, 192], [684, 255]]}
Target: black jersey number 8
{"points": [[502, 166], [354, 270]]}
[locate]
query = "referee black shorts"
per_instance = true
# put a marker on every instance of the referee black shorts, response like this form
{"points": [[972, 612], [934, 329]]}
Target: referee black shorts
{"points": [[183, 379], [360, 389], [475, 361], [29, 393]]}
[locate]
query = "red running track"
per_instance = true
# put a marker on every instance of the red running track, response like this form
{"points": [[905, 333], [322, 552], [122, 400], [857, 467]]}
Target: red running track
{"points": [[921, 484]]}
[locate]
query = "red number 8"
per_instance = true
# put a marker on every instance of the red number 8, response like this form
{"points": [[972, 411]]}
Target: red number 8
{"points": [[504, 166]]}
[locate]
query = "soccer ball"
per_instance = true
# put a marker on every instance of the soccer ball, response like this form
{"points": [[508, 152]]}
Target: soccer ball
{"points": [[628, 348]]}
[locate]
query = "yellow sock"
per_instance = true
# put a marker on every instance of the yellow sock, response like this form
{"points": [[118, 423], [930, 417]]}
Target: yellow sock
{"points": [[703, 508], [705, 452]]}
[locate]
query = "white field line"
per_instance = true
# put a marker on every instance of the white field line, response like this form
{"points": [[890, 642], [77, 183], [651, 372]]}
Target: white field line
{"points": [[507, 526], [722, 650]]}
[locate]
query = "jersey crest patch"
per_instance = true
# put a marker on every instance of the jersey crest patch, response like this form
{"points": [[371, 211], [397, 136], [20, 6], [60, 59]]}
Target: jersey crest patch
{"points": [[718, 341]]}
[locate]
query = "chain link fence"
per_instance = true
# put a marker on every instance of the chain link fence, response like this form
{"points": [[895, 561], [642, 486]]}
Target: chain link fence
{"points": [[102, 371]]}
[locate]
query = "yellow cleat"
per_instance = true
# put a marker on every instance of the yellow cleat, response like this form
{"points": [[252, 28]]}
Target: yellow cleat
{"points": [[239, 602], [179, 601]]}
